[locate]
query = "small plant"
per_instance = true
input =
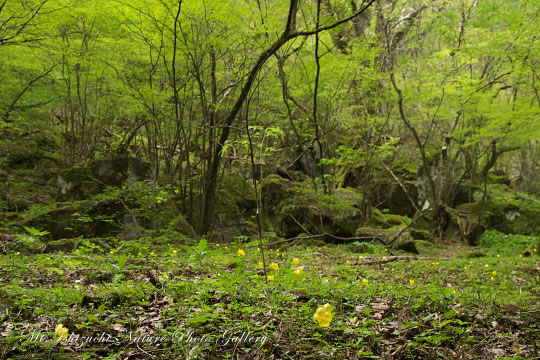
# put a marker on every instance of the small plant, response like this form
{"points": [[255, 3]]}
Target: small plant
{"points": [[122, 259], [27, 240], [200, 250]]}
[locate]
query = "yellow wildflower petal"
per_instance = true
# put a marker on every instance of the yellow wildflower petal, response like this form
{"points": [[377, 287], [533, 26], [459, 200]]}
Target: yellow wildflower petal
{"points": [[296, 261], [411, 281], [323, 316], [61, 331], [241, 252]]}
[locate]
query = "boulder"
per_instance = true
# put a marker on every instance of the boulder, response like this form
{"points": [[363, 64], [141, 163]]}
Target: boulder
{"points": [[396, 237], [419, 234], [385, 221], [506, 216], [295, 208], [80, 183]]}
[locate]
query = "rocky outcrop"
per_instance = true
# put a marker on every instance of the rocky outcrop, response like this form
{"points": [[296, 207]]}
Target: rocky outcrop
{"points": [[295, 208]]}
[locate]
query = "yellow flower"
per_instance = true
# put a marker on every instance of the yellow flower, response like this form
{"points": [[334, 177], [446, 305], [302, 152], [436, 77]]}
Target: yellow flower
{"points": [[486, 265], [498, 255], [140, 254], [464, 268], [217, 245], [384, 257], [365, 281], [347, 262], [61, 331], [241, 252], [360, 258], [174, 251], [111, 252], [492, 278], [323, 315], [153, 253], [274, 266], [270, 277], [520, 255], [494, 273], [261, 265], [258, 249], [385, 249], [411, 281], [393, 269], [18, 253], [298, 270], [226, 248], [296, 261], [256, 276]]}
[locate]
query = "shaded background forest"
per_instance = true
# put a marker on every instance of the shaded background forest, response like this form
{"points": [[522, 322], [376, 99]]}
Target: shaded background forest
{"points": [[340, 120]]}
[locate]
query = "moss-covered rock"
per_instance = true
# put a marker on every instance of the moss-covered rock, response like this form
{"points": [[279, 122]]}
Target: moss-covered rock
{"points": [[275, 190], [385, 221], [397, 237], [515, 217], [294, 208], [369, 234], [61, 245], [241, 191], [419, 234]]}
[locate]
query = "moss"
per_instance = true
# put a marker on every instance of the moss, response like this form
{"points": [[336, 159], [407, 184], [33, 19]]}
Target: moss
{"points": [[274, 190], [395, 220], [377, 219], [423, 243], [419, 234], [510, 216], [385, 221], [241, 191], [61, 245], [296, 207], [370, 234]]}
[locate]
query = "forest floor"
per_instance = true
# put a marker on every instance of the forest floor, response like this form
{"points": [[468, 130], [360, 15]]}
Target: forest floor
{"points": [[169, 301]]}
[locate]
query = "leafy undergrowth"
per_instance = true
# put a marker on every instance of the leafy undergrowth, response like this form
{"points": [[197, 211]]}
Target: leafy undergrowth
{"points": [[212, 302]]}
